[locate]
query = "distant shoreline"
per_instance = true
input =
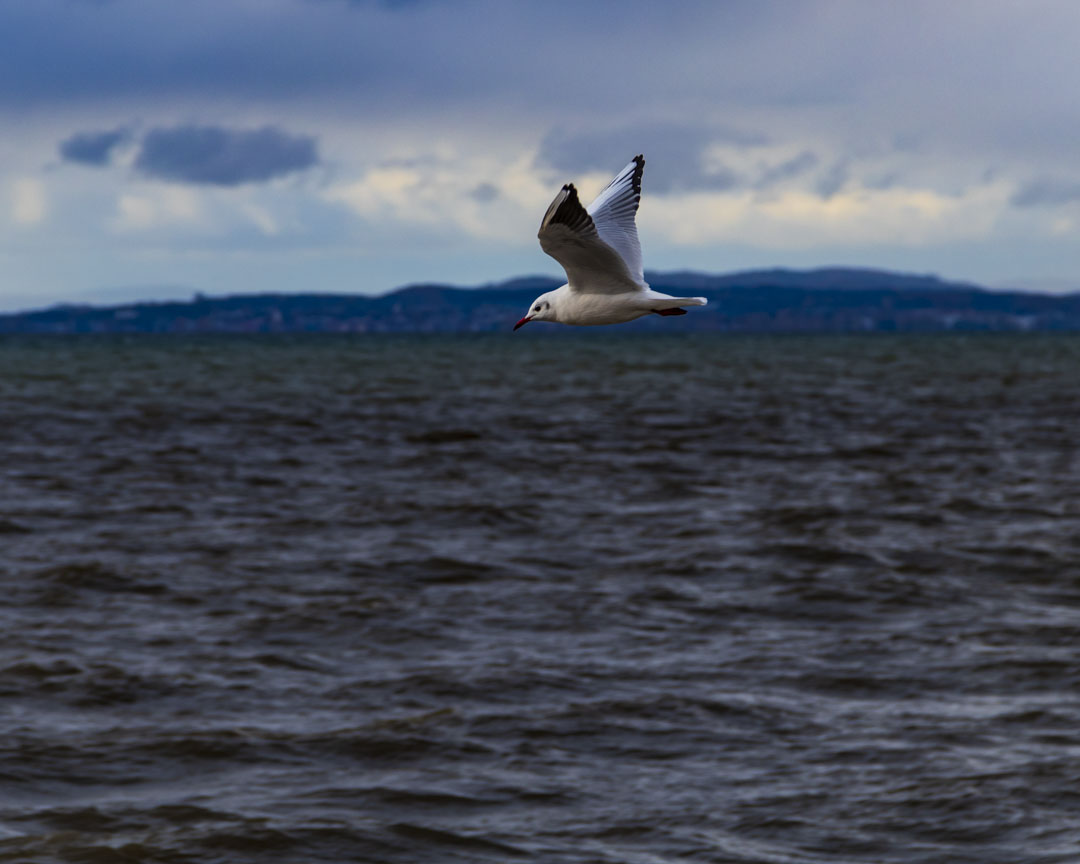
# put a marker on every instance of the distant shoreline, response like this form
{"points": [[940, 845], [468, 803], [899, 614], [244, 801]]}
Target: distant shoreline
{"points": [[833, 300]]}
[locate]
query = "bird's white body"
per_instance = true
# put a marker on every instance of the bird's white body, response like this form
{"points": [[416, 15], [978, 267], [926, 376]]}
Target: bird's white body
{"points": [[599, 250], [570, 306]]}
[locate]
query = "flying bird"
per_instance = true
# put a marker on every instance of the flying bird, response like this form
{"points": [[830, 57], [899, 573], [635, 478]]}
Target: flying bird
{"points": [[599, 250]]}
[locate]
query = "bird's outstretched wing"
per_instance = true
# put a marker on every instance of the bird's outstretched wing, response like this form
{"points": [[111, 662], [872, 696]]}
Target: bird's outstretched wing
{"points": [[598, 248], [613, 213]]}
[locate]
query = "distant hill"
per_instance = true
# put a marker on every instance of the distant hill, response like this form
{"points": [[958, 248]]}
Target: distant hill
{"points": [[827, 300]]}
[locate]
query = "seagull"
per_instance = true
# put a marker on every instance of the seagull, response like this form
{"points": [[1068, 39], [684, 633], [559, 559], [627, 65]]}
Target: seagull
{"points": [[599, 250]]}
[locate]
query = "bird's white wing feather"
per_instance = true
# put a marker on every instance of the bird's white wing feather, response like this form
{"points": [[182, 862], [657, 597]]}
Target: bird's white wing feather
{"points": [[613, 213], [594, 260]]}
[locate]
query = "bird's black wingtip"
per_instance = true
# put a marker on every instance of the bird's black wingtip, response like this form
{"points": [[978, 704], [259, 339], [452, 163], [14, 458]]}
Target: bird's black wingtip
{"points": [[566, 210], [639, 172]]}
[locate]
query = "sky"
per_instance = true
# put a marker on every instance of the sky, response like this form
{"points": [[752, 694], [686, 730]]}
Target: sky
{"points": [[156, 148]]}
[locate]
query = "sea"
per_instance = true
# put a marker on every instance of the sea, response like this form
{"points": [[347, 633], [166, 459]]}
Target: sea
{"points": [[579, 597]]}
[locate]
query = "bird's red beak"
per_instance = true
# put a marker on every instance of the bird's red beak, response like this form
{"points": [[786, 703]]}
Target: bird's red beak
{"points": [[523, 322]]}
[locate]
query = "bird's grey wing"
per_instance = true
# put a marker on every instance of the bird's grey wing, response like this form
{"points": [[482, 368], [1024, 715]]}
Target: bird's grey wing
{"points": [[613, 213], [569, 235]]}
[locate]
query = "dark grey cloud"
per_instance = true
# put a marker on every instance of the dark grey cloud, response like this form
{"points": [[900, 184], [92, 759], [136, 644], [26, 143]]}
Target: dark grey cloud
{"points": [[833, 180], [880, 182], [427, 160], [824, 65], [386, 4], [1046, 192], [223, 157], [92, 148], [787, 170], [546, 62], [674, 154], [485, 193]]}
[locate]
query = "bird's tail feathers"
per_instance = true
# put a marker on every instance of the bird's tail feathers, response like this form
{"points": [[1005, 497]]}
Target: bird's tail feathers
{"points": [[671, 302]]}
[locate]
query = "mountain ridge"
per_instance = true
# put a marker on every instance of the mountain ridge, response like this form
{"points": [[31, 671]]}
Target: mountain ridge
{"points": [[832, 299]]}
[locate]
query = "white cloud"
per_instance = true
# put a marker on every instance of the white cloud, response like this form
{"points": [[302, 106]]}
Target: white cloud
{"points": [[28, 201], [792, 214], [262, 219], [391, 190], [1063, 226], [797, 218], [155, 208], [438, 192]]}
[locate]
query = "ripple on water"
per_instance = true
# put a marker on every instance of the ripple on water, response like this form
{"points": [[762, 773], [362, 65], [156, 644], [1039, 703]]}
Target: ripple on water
{"points": [[717, 599]]}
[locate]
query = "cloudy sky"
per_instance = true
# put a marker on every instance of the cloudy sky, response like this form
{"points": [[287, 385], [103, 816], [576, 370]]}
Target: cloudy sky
{"points": [[153, 148]]}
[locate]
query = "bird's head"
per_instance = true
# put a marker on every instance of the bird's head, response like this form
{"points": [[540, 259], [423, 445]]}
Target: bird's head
{"points": [[542, 309]]}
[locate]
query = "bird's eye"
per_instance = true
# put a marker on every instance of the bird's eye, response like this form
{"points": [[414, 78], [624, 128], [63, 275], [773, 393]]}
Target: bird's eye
{"points": [[537, 309]]}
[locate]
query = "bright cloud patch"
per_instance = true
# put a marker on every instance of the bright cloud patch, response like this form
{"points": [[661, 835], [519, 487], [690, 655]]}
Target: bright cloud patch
{"points": [[156, 209], [790, 199], [798, 218], [218, 156], [478, 197], [27, 201]]}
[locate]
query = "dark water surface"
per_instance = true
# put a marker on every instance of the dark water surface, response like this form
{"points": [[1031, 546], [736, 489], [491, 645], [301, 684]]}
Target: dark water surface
{"points": [[585, 599]]}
